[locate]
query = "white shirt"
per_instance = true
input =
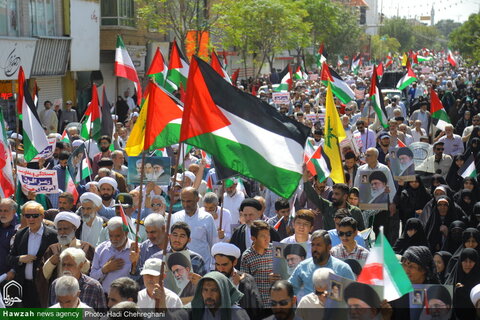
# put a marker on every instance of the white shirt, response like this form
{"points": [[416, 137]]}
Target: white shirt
{"points": [[172, 300], [233, 204], [226, 225], [203, 232], [34, 240], [92, 234], [416, 135], [80, 305]]}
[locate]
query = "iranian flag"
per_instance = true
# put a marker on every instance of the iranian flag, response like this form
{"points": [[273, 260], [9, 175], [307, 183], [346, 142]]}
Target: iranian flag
{"points": [[339, 87], [451, 58], [468, 169], [177, 70], [383, 268], [376, 100], [217, 66], [7, 186], [439, 116], [286, 83], [242, 132], [70, 186], [92, 125], [158, 124], [125, 68], [317, 162], [407, 79], [158, 69], [34, 138]]}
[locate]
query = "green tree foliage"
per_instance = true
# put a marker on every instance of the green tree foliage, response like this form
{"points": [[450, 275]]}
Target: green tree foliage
{"points": [[381, 46], [426, 37], [466, 38], [445, 27], [400, 29]]}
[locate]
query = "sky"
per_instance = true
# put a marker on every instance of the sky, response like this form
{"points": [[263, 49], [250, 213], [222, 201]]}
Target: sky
{"points": [[457, 10]]}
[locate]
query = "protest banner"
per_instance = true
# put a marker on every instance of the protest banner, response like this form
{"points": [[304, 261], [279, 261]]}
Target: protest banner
{"points": [[48, 151], [402, 164], [38, 181], [157, 169], [179, 267], [313, 76], [281, 98]]}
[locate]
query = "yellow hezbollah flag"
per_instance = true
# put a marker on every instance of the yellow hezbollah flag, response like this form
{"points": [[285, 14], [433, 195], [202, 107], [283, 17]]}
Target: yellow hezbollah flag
{"points": [[334, 133], [404, 60], [136, 139]]}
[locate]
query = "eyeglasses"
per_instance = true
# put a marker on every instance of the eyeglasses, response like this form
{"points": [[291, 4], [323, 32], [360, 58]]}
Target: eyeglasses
{"points": [[156, 204], [282, 303], [30, 216], [345, 234], [320, 293]]}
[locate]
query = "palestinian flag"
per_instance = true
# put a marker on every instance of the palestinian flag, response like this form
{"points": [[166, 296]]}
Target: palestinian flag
{"points": [[210, 184], [299, 74], [424, 58], [7, 186], [376, 100], [64, 137], [158, 124], [217, 66], [107, 127], [451, 58], [92, 125], [317, 162], [383, 268], [34, 138], [70, 186], [162, 152], [158, 69], [439, 115], [177, 70], [125, 224], [208, 159], [125, 68], [389, 61], [407, 79], [356, 62], [468, 169], [339, 87], [235, 77], [321, 56], [242, 132], [380, 70], [286, 83]]}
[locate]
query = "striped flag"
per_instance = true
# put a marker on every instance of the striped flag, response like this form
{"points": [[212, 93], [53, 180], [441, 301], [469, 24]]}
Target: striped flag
{"points": [[451, 58], [125, 68], [356, 62], [439, 116], [407, 79], [7, 186], [70, 186], [317, 162], [92, 125], [177, 70], [217, 66], [468, 169], [339, 87], [286, 83], [158, 68], [376, 99]]}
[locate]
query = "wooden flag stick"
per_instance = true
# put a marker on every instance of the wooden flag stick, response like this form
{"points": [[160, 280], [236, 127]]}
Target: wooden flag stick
{"points": [[140, 202]]}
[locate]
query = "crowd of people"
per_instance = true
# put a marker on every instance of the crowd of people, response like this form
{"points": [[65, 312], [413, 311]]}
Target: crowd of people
{"points": [[105, 251]]}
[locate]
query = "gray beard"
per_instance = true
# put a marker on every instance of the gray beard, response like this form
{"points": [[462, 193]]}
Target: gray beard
{"points": [[182, 283], [64, 240]]}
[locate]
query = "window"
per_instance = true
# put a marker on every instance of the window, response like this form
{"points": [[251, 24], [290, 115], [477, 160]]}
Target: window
{"points": [[118, 13], [8, 18], [42, 17]]}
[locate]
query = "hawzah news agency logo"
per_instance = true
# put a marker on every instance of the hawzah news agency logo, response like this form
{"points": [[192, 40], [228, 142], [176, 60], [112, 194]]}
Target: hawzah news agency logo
{"points": [[15, 289]]}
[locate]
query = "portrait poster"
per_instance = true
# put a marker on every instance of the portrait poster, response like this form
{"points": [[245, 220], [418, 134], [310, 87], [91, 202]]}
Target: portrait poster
{"points": [[421, 151], [78, 164], [287, 256], [431, 301], [157, 170], [402, 164], [373, 194], [179, 268]]}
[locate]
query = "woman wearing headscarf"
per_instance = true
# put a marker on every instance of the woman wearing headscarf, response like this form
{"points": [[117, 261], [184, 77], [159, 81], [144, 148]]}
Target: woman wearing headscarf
{"points": [[454, 180], [443, 214], [464, 277], [441, 190], [411, 199], [470, 239], [471, 184], [463, 123], [413, 235], [441, 259], [437, 180], [454, 237]]}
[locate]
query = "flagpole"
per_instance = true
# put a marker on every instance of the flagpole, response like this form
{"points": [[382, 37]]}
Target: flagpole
{"points": [[340, 155], [17, 123], [221, 207], [137, 229]]}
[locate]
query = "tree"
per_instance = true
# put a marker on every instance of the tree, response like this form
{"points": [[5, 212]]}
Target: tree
{"points": [[400, 29], [466, 38], [426, 37], [381, 46], [445, 27]]}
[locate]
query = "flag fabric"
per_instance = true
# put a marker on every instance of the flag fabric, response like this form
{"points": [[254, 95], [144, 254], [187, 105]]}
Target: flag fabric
{"points": [[299, 74], [125, 224], [404, 60], [177, 70], [451, 59], [125, 68], [235, 77], [339, 61], [339, 87], [64, 137], [107, 127], [439, 116], [400, 143], [217, 66], [70, 186], [424, 58], [355, 64], [158, 124], [209, 183], [278, 224], [242, 132], [380, 69], [383, 268], [317, 162], [92, 125], [286, 83], [21, 81], [376, 100], [334, 134], [7, 185], [468, 169], [408, 78], [158, 69], [389, 61], [320, 57], [34, 138]]}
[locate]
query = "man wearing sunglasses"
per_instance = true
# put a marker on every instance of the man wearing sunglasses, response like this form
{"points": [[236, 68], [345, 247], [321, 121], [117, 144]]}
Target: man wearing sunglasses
{"points": [[28, 248], [284, 302], [349, 249], [439, 162]]}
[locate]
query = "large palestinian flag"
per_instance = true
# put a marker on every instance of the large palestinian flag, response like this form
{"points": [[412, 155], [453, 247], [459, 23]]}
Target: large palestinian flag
{"points": [[376, 99], [407, 79], [340, 88], [158, 68], [177, 70], [241, 131]]}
